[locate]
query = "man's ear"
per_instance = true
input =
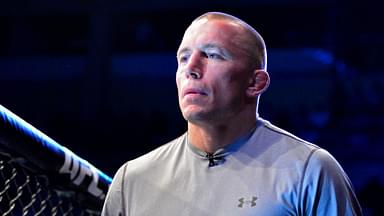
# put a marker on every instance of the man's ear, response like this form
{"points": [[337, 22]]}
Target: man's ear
{"points": [[258, 83]]}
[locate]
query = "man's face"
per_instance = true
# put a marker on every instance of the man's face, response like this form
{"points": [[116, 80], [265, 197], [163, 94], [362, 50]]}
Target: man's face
{"points": [[213, 72]]}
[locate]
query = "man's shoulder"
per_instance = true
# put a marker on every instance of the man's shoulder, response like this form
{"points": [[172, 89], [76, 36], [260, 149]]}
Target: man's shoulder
{"points": [[280, 145], [158, 156], [283, 148], [162, 151], [278, 135]]}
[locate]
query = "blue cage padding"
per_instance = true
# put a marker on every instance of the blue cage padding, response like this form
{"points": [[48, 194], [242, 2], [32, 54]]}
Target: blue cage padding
{"points": [[45, 156]]}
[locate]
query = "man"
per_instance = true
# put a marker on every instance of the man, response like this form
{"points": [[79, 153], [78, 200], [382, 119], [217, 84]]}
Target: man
{"points": [[230, 161]]}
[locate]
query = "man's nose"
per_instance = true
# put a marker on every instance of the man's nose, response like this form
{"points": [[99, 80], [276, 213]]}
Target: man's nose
{"points": [[194, 66]]}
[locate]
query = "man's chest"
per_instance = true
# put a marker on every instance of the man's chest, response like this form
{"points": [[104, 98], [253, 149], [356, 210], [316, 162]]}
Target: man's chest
{"points": [[233, 193]]}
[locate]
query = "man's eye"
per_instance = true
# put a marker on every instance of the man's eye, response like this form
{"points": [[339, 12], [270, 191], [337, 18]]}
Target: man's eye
{"points": [[214, 56], [183, 59]]}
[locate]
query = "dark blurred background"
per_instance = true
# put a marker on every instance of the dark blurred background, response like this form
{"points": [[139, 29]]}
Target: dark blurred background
{"points": [[99, 76]]}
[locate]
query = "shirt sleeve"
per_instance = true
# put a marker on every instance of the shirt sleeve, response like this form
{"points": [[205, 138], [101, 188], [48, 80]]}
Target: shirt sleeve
{"points": [[326, 189], [114, 201]]}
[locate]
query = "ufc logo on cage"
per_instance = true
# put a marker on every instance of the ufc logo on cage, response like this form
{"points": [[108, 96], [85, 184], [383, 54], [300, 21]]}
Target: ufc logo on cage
{"points": [[243, 202], [78, 171]]}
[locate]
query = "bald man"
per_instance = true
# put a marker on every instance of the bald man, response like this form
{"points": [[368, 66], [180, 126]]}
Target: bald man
{"points": [[230, 161]]}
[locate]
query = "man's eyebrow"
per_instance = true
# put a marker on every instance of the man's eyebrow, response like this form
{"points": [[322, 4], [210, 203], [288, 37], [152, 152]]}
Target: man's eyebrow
{"points": [[207, 47], [210, 46], [183, 50], [217, 47]]}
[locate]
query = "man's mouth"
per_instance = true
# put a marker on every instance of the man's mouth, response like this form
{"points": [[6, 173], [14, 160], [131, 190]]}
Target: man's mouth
{"points": [[194, 91]]}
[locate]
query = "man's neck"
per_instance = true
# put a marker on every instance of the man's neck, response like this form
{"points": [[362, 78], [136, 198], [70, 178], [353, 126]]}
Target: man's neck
{"points": [[210, 138]]}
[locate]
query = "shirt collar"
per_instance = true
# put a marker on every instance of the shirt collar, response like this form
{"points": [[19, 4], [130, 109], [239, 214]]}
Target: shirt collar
{"points": [[225, 151]]}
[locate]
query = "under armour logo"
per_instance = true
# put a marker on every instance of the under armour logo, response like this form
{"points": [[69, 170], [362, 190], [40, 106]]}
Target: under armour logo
{"points": [[243, 202]]}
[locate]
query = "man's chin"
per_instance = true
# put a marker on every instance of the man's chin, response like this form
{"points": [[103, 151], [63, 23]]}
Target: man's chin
{"points": [[197, 117]]}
